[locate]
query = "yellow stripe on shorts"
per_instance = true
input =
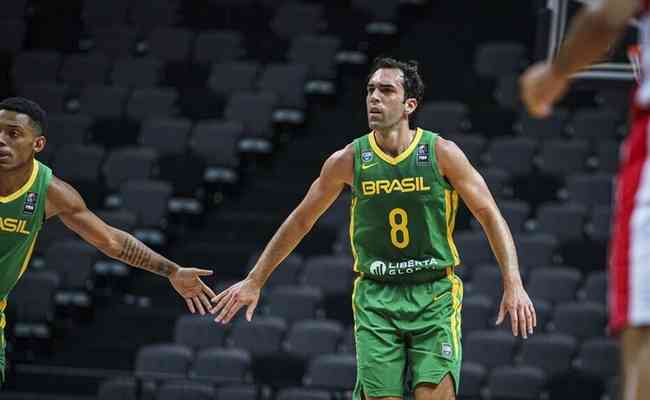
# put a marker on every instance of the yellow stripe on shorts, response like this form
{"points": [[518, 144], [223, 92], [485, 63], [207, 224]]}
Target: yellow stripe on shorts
{"points": [[455, 315]]}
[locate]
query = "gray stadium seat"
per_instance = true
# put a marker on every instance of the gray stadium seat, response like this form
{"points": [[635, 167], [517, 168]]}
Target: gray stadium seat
{"points": [[494, 59], [514, 155], [564, 221], [498, 180], [170, 44], [286, 273], [443, 117], [473, 377], [292, 19], [607, 154], [50, 96], [128, 163], [218, 46], [35, 66], [78, 162], [97, 13], [222, 366], [261, 337], [254, 110], [120, 219], [215, 142], [515, 212], [472, 144], [507, 92], [85, 69], [230, 77], [319, 270], [310, 338], [317, 52], [198, 332], [168, 136], [547, 128], [554, 284], [287, 81], [562, 157], [516, 383], [14, 32], [147, 16], [294, 303], [149, 103], [65, 129], [599, 357], [73, 261], [473, 248], [183, 390], [596, 124], [552, 353], [595, 289], [580, 319], [490, 348], [162, 362], [332, 372], [136, 72], [238, 392], [32, 299], [102, 101], [477, 313], [114, 41], [15, 9], [148, 200], [600, 222], [535, 249], [486, 280], [590, 190]]}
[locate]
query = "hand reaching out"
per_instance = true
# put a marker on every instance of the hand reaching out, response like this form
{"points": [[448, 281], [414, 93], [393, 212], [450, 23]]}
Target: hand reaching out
{"points": [[523, 318], [188, 284], [228, 302]]}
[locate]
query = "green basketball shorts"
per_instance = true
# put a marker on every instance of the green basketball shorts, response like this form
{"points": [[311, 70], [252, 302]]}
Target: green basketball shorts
{"points": [[395, 322]]}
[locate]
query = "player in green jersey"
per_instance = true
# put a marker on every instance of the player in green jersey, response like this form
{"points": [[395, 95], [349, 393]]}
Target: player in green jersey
{"points": [[29, 194], [406, 299]]}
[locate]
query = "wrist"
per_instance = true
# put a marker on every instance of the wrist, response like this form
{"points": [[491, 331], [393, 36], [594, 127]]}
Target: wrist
{"points": [[512, 280], [255, 280]]}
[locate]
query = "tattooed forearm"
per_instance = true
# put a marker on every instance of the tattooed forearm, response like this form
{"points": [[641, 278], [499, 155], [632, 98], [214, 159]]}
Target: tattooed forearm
{"points": [[135, 253]]}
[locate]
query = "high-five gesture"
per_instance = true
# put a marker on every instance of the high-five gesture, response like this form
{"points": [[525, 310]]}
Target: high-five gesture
{"points": [[243, 293], [188, 284]]}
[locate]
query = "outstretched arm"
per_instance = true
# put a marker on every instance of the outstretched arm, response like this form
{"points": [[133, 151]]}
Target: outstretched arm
{"points": [[592, 32], [473, 190], [336, 172], [66, 203]]}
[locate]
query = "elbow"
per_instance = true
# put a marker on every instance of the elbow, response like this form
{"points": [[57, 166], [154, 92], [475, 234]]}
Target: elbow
{"points": [[302, 223], [489, 217]]}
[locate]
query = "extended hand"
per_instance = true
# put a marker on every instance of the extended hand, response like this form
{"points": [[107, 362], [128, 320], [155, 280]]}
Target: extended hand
{"points": [[188, 284], [541, 87], [516, 302], [243, 293]]}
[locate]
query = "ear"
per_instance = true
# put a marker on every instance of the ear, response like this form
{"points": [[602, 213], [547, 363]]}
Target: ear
{"points": [[39, 143], [410, 105]]}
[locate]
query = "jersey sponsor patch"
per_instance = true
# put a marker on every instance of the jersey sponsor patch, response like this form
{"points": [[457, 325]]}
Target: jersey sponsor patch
{"points": [[381, 268], [366, 156], [31, 199], [422, 153]]}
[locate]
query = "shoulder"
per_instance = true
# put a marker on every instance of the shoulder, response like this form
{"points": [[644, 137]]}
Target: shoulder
{"points": [[61, 197], [448, 154], [340, 165]]}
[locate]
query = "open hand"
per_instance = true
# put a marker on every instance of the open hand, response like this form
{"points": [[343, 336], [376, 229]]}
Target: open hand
{"points": [[188, 284], [523, 318], [541, 88], [228, 302]]}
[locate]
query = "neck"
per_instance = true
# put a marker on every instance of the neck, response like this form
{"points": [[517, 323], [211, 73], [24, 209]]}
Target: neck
{"points": [[11, 181], [394, 140]]}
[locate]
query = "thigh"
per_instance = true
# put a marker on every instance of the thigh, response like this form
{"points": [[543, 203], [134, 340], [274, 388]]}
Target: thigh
{"points": [[636, 363], [433, 341], [381, 357]]}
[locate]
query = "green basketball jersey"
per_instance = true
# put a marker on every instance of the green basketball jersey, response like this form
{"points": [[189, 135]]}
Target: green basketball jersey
{"points": [[402, 213], [21, 217]]}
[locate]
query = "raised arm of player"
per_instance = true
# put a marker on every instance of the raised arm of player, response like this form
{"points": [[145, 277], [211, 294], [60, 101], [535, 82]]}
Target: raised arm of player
{"points": [[337, 171], [473, 190], [592, 32], [63, 200]]}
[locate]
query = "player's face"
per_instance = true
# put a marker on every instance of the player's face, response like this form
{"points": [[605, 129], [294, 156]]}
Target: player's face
{"points": [[385, 97], [19, 140]]}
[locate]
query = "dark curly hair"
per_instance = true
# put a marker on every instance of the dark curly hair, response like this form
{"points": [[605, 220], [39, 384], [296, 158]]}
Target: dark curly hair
{"points": [[27, 107], [413, 85]]}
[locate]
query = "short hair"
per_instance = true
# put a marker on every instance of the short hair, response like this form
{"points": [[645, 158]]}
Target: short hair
{"points": [[413, 84], [27, 107]]}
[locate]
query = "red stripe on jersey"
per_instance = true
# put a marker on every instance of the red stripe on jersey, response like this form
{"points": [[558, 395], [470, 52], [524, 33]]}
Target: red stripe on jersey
{"points": [[633, 160]]}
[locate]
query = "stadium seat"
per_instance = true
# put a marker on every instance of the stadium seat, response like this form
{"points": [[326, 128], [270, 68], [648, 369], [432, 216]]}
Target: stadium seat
{"points": [[222, 366], [159, 362], [167, 136], [580, 319], [564, 221], [318, 52], [218, 46], [215, 142], [319, 270], [490, 348], [182, 390], [599, 357], [494, 59], [548, 128], [114, 41], [552, 353], [590, 190], [229, 77], [77, 162], [294, 303], [599, 226], [473, 248], [85, 69], [516, 383], [118, 389], [170, 44], [472, 144], [301, 393], [238, 392], [559, 157], [148, 199], [473, 376], [144, 72], [477, 311], [262, 337], [535, 249], [147, 17], [14, 30], [148, 103], [309, 338], [102, 101], [293, 19], [286, 273], [443, 117], [254, 110], [35, 66], [97, 13], [608, 155], [73, 262], [198, 332], [131, 163], [287, 81], [50, 96], [595, 289], [554, 284], [65, 129], [486, 281], [332, 372], [593, 124], [514, 155]]}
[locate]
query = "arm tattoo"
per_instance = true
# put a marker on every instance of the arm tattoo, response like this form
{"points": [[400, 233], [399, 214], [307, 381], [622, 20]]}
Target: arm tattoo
{"points": [[135, 253]]}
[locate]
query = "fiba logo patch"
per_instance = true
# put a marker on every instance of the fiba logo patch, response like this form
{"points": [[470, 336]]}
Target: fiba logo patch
{"points": [[378, 268], [366, 156]]}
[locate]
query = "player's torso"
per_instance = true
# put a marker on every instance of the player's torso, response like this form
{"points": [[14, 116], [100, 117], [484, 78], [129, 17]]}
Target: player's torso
{"points": [[21, 218], [403, 211]]}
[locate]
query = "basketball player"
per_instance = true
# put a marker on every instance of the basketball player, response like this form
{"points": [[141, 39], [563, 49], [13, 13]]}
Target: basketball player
{"points": [[29, 194], [592, 31], [406, 299]]}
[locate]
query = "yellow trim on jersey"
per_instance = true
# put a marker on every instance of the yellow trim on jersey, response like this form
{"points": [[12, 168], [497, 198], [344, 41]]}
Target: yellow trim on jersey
{"points": [[353, 205], [13, 196], [390, 159], [451, 205], [354, 311], [455, 315]]}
